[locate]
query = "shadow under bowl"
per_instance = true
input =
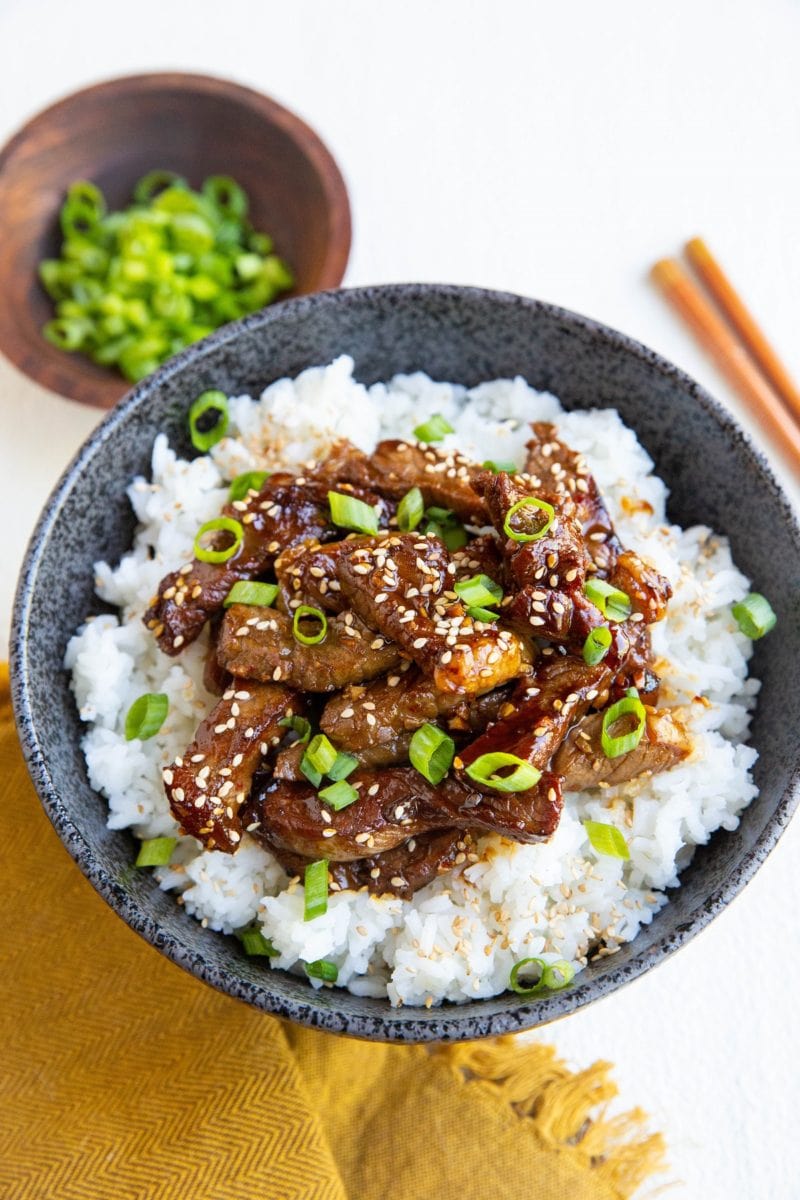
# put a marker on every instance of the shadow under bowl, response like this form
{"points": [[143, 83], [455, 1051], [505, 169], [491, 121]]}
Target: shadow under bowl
{"points": [[715, 477]]}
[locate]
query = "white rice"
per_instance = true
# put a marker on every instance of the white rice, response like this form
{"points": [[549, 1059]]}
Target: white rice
{"points": [[458, 938]]}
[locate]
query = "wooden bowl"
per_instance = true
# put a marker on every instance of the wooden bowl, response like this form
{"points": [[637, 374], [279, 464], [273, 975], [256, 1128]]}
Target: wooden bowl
{"points": [[116, 132]]}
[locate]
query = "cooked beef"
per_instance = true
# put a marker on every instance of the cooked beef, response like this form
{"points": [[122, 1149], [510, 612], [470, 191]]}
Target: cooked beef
{"points": [[547, 704], [482, 555], [209, 783], [215, 678], [400, 586], [258, 643], [401, 871], [649, 592], [580, 758], [377, 722], [307, 573], [394, 803]]}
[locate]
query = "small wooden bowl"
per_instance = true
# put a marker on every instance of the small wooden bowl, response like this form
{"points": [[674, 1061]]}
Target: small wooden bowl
{"points": [[116, 132]]}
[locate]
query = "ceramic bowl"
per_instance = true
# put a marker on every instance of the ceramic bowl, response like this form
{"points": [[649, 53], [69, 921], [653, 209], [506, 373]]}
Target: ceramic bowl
{"points": [[113, 134], [715, 477]]}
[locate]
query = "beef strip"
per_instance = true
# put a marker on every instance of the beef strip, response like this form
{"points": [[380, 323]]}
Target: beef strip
{"points": [[208, 784], [580, 758], [377, 722], [307, 573], [258, 643], [401, 871], [482, 555], [394, 803], [400, 586], [547, 704]]}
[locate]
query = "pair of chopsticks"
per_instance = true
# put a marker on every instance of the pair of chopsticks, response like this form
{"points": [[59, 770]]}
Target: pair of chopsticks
{"points": [[735, 341]]}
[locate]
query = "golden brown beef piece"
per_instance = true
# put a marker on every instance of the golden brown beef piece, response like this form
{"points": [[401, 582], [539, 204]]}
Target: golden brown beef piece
{"points": [[399, 872], [377, 722], [482, 555], [401, 587], [547, 704], [580, 758], [258, 643], [307, 573], [208, 784], [394, 803]]}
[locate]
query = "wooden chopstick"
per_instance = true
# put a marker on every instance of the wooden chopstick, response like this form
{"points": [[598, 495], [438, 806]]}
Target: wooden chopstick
{"points": [[733, 360], [743, 321]]}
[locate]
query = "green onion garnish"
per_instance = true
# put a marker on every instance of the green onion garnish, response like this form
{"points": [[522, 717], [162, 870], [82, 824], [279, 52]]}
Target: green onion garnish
{"points": [[254, 943], [226, 525], [483, 614], [484, 771], [155, 852], [454, 536], [146, 716], [349, 513], [509, 468], [629, 706], [527, 967], [434, 429], [261, 595], [613, 603], [525, 535], [316, 889], [321, 754], [410, 510], [306, 613], [606, 839], [322, 969], [311, 773], [339, 795], [431, 752], [754, 615], [597, 645], [250, 481], [299, 725], [208, 402], [558, 975], [345, 765], [479, 590]]}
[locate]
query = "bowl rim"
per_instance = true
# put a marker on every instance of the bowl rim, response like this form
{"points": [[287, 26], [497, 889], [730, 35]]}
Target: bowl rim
{"points": [[452, 1022], [70, 376]]}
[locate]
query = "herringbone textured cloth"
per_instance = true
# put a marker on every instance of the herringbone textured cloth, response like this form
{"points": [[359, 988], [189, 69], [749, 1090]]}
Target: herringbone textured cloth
{"points": [[123, 1078]]}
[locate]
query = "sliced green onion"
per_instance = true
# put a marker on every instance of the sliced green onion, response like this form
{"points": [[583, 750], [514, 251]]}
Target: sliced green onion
{"points": [[754, 615], [442, 516], [156, 852], [316, 889], [453, 536], [224, 525], [520, 535], [306, 613], [311, 773], [208, 402], [613, 603], [322, 969], [298, 725], [410, 510], [479, 590], [146, 716], [339, 795], [260, 595], [255, 944], [483, 614], [154, 182], [321, 754], [349, 513], [431, 752], [606, 839], [345, 765], [558, 975], [226, 194], [523, 968], [509, 468], [628, 706], [597, 645], [434, 429], [250, 481], [484, 771]]}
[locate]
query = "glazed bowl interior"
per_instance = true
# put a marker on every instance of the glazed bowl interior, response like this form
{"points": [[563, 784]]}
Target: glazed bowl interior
{"points": [[469, 335]]}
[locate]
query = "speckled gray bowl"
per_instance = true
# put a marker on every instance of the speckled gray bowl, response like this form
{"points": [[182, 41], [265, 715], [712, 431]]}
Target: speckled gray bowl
{"points": [[715, 476]]}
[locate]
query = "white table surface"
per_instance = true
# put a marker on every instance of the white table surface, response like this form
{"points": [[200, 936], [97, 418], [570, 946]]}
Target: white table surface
{"points": [[554, 150]]}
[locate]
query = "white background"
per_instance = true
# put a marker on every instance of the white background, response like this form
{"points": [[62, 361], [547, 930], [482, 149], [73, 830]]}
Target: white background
{"points": [[555, 150]]}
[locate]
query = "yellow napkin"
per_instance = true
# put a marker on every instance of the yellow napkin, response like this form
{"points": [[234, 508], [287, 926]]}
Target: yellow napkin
{"points": [[123, 1077]]}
